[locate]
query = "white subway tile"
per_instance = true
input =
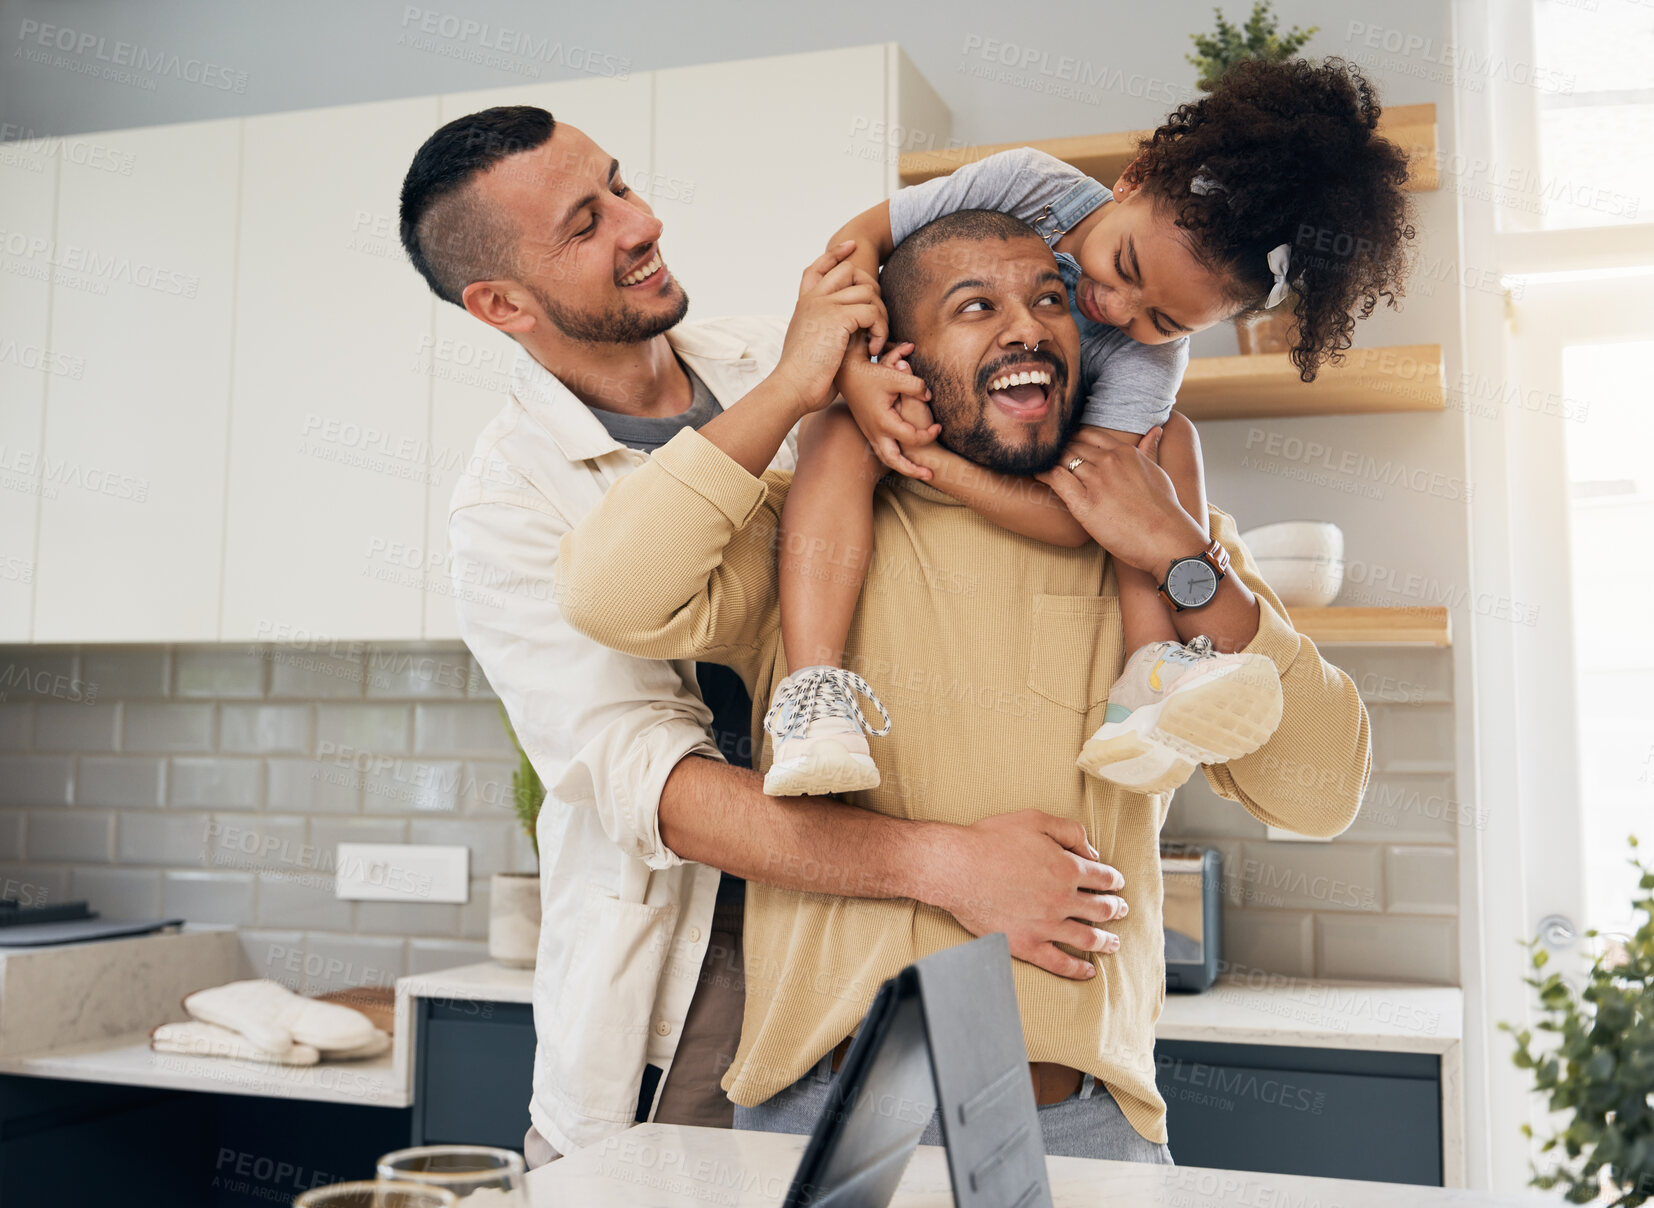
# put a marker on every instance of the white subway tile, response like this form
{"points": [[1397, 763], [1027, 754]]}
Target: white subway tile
{"points": [[297, 672], [179, 840], [35, 779], [304, 900], [159, 727], [1392, 948], [123, 894], [306, 786], [340, 962], [16, 725], [433, 956], [61, 727], [218, 672], [208, 897], [1312, 876], [1421, 880], [1277, 941], [418, 670], [125, 672], [407, 918], [343, 729], [70, 834], [266, 729], [214, 784], [468, 728], [121, 780]]}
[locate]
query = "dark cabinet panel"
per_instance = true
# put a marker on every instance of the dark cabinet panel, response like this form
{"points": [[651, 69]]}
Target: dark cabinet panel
{"points": [[1301, 1111], [474, 1073]]}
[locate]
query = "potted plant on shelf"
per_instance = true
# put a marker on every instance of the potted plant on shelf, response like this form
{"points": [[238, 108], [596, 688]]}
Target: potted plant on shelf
{"points": [[1215, 53], [514, 897], [1599, 1069]]}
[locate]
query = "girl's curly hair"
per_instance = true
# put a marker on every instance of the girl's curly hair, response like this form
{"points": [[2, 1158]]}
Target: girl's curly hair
{"points": [[1288, 153]]}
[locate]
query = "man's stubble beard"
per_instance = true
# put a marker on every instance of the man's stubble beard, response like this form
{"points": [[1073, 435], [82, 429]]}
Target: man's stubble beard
{"points": [[616, 325], [966, 431]]}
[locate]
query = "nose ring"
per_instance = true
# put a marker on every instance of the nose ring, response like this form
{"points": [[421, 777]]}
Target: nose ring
{"points": [[1035, 348]]}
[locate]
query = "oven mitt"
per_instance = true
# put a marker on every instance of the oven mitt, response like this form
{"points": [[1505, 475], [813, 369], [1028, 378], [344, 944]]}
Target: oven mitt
{"points": [[380, 1042], [272, 1017], [197, 1039]]}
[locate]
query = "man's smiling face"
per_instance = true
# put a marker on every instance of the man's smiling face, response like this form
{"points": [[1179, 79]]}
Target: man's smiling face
{"points": [[995, 343], [587, 247]]}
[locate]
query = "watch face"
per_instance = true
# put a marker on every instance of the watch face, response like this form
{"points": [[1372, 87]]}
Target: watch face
{"points": [[1192, 582]]}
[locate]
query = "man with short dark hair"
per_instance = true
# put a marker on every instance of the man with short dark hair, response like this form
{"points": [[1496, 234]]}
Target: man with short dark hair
{"points": [[1000, 684], [648, 827]]}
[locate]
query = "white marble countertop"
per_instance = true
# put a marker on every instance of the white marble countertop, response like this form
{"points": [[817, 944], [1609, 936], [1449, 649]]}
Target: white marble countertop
{"points": [[129, 1061], [486, 982], [1254, 1009], [667, 1165]]}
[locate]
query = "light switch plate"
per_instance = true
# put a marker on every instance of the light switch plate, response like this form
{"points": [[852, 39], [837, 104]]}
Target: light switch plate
{"points": [[402, 872], [1281, 835]]}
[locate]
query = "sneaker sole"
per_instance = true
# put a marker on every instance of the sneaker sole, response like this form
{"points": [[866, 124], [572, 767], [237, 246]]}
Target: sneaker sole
{"points": [[834, 770], [1158, 749]]}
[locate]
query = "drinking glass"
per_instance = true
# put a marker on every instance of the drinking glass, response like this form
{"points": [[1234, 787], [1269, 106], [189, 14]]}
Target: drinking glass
{"points": [[378, 1194], [479, 1176]]}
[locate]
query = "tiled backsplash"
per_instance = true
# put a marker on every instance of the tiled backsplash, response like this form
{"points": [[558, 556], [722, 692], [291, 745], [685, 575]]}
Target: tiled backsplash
{"points": [[1381, 900], [215, 782]]}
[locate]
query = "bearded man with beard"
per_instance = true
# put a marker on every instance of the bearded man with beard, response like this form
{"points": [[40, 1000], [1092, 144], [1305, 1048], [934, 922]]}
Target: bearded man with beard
{"points": [[651, 822], [1002, 651]]}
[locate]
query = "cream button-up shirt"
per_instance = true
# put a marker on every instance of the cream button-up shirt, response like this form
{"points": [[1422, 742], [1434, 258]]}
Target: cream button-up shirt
{"points": [[624, 920]]}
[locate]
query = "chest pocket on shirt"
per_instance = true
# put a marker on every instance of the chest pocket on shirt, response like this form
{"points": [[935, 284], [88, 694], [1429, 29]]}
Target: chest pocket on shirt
{"points": [[1074, 654]]}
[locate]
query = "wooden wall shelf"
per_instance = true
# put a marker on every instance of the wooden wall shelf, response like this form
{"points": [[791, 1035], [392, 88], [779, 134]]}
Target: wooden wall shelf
{"points": [[1406, 626], [1371, 381], [1104, 156]]}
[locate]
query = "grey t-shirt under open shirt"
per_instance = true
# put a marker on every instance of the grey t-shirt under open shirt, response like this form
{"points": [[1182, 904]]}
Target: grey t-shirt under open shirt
{"points": [[646, 433]]}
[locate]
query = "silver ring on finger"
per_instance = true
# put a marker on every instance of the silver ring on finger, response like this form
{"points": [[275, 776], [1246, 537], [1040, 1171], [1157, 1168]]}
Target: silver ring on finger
{"points": [[1074, 463]]}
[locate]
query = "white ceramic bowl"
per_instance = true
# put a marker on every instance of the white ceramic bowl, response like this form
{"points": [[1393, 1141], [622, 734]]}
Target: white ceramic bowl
{"points": [[1303, 582], [1317, 540]]}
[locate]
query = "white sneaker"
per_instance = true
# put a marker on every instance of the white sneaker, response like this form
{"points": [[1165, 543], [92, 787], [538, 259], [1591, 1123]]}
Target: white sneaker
{"points": [[1175, 707], [817, 727]]}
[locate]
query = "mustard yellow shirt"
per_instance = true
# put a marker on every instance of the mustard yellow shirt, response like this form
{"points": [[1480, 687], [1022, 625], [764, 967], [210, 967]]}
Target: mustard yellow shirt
{"points": [[995, 654]]}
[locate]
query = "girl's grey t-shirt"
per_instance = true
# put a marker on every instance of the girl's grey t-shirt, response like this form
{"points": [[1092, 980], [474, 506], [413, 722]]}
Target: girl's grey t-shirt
{"points": [[1128, 386]]}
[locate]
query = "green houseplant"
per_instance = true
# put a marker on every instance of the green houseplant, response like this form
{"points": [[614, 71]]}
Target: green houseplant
{"points": [[1215, 53], [1600, 1066], [1259, 38], [514, 897]]}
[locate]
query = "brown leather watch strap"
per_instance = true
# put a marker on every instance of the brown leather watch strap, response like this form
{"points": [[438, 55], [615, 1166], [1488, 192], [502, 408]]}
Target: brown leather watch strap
{"points": [[1214, 555]]}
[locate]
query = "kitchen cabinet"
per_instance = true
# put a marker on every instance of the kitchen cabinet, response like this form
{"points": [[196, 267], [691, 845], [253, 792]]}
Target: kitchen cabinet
{"points": [[28, 184], [468, 364], [132, 451], [473, 1073], [325, 509], [1300, 1111]]}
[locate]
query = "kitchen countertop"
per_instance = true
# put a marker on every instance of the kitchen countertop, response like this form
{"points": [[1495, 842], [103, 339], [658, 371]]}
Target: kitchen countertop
{"points": [[1249, 1009], [685, 1166], [129, 1061]]}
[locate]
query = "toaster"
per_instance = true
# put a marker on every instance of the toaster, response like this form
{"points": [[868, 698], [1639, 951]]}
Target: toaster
{"points": [[1193, 914]]}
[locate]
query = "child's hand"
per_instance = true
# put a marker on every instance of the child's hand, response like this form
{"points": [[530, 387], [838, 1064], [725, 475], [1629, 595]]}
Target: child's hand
{"points": [[888, 402]]}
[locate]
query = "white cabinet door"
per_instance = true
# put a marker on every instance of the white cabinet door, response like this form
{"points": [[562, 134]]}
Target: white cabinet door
{"points": [[328, 450], [28, 180], [757, 163], [133, 453], [469, 363]]}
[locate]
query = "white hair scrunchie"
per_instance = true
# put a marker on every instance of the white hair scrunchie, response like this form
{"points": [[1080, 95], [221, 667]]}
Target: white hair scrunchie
{"points": [[1280, 259]]}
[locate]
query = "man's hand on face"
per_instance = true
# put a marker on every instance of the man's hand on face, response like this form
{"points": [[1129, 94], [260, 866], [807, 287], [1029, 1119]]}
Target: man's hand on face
{"points": [[835, 300], [1122, 497], [888, 402], [1035, 877]]}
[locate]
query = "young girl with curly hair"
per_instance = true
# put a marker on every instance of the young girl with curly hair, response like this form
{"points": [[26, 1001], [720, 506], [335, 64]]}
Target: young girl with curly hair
{"points": [[1220, 214]]}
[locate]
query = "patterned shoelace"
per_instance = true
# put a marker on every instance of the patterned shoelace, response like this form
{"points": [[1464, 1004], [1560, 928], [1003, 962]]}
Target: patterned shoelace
{"points": [[1194, 650], [824, 692]]}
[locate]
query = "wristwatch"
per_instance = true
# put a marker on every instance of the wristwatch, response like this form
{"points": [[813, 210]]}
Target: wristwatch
{"points": [[1192, 582]]}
